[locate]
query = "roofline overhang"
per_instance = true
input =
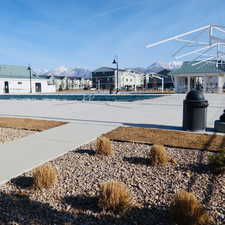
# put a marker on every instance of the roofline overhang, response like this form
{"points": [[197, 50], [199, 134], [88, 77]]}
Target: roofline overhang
{"points": [[198, 74]]}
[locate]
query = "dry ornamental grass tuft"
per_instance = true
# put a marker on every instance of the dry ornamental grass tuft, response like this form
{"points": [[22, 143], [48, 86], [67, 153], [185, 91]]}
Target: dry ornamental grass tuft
{"points": [[159, 156], [104, 146], [44, 176], [187, 210], [217, 162], [114, 196]]}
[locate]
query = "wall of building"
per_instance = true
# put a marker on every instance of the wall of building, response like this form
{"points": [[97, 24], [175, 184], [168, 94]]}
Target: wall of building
{"points": [[70, 83], [131, 79], [126, 78], [23, 85], [104, 79], [180, 84], [213, 83]]}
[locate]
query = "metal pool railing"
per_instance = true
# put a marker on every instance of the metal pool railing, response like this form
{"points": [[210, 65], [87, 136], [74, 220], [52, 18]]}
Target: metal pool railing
{"points": [[88, 97], [84, 98]]}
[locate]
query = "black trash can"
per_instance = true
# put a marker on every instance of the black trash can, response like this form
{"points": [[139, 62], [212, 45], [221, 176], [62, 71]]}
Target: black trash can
{"points": [[195, 111]]}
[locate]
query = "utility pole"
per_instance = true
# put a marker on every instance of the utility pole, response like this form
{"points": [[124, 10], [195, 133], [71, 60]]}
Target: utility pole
{"points": [[115, 61], [29, 68]]}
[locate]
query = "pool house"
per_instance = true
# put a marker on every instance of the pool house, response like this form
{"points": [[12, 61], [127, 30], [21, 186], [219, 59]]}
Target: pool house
{"points": [[208, 75], [20, 79]]}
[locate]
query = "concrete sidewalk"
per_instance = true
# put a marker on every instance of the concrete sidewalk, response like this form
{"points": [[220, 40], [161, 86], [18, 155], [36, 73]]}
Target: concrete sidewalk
{"points": [[23, 155], [87, 121]]}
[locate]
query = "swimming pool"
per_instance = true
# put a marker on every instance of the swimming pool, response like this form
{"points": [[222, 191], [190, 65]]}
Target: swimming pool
{"points": [[80, 97]]}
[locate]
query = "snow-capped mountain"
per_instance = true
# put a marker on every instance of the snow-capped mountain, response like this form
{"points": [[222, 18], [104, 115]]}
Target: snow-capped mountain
{"points": [[65, 71], [85, 73], [159, 66]]}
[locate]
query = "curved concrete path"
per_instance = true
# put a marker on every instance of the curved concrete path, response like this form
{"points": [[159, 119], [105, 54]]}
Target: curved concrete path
{"points": [[87, 121]]}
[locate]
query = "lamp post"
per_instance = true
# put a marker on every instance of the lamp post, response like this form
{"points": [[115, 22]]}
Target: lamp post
{"points": [[29, 68], [115, 61]]}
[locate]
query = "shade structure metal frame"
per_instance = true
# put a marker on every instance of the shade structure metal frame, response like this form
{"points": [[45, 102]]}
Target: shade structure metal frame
{"points": [[159, 78], [209, 50]]}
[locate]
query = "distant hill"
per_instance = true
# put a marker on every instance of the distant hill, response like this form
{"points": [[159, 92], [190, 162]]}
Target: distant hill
{"points": [[85, 73], [158, 66], [64, 71]]}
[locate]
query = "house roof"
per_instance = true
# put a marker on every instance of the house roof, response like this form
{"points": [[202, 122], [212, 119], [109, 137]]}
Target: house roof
{"points": [[12, 71], [106, 69], [202, 68]]}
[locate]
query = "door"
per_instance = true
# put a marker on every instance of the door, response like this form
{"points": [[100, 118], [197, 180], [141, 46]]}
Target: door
{"points": [[6, 87], [37, 87]]}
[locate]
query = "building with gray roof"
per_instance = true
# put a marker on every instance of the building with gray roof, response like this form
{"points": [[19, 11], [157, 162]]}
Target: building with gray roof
{"points": [[21, 79], [106, 78], [209, 75]]}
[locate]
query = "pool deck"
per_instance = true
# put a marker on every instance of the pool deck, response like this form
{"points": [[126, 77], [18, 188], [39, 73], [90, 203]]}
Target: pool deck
{"points": [[87, 121]]}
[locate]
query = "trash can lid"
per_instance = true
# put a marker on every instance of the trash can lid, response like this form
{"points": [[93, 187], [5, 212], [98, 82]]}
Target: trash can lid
{"points": [[222, 117], [195, 95]]}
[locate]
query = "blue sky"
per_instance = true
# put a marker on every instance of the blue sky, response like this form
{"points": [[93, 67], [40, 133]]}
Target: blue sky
{"points": [[88, 33]]}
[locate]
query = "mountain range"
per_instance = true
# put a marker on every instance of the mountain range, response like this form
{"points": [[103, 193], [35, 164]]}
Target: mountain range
{"points": [[85, 73], [159, 66], [65, 71]]}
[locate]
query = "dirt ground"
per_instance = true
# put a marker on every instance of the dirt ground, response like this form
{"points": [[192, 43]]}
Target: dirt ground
{"points": [[28, 124], [179, 139]]}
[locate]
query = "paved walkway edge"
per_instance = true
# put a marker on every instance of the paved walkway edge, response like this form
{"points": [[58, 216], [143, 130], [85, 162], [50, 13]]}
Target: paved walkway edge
{"points": [[29, 152]]}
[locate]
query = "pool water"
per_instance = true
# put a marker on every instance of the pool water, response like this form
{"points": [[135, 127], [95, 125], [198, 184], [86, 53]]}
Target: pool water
{"points": [[94, 97]]}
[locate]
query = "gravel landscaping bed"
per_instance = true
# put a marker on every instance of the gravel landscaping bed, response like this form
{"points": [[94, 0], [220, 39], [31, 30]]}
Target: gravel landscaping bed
{"points": [[11, 134], [72, 199]]}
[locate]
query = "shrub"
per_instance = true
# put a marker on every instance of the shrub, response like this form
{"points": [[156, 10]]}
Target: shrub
{"points": [[114, 196], [217, 162], [104, 146], [187, 210], [44, 176], [158, 155]]}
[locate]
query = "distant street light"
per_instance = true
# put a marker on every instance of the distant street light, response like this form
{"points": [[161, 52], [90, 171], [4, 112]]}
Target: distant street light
{"points": [[29, 68], [115, 61]]}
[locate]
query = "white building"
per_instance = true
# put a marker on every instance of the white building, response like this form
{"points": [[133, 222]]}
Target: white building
{"points": [[130, 79], [19, 79], [106, 78], [68, 83], [209, 75]]}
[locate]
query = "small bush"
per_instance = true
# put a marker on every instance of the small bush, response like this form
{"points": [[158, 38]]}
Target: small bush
{"points": [[186, 210], [114, 196], [158, 155], [104, 146], [44, 176], [217, 162]]}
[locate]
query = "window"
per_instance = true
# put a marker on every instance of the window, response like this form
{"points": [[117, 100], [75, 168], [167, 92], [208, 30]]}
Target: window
{"points": [[50, 82], [19, 82]]}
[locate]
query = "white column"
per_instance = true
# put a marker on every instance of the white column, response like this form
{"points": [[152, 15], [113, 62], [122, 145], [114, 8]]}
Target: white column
{"points": [[204, 83], [176, 84], [220, 82], [189, 84]]}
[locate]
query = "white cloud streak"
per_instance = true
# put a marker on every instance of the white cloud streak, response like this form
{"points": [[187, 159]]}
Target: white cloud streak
{"points": [[114, 10]]}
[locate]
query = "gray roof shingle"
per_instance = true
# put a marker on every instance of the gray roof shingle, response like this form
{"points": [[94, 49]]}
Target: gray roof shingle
{"points": [[205, 67], [11, 71]]}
